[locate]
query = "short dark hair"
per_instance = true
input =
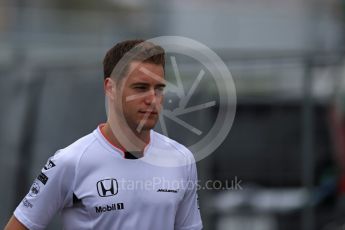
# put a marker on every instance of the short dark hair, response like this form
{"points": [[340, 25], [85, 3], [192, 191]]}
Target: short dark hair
{"points": [[138, 50]]}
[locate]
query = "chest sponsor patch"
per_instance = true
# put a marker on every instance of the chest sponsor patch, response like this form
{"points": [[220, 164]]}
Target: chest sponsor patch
{"points": [[167, 190], [108, 208]]}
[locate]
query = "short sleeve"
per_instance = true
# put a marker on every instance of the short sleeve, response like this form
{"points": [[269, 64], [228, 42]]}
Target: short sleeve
{"points": [[188, 213], [50, 192]]}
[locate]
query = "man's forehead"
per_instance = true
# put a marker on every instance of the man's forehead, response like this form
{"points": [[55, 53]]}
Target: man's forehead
{"points": [[139, 65], [145, 71]]}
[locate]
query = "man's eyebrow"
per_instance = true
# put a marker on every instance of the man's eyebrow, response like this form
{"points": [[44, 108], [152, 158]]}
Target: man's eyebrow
{"points": [[146, 84], [161, 85], [139, 84]]}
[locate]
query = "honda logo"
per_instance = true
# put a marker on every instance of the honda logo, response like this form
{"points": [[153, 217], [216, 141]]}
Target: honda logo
{"points": [[107, 187]]}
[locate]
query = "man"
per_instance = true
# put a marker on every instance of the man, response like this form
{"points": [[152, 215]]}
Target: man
{"points": [[123, 175]]}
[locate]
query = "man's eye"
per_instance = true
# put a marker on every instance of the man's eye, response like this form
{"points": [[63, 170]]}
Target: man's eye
{"points": [[140, 87], [160, 90]]}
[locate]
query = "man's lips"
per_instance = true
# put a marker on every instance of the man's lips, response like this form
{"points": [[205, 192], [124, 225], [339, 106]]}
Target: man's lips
{"points": [[148, 111]]}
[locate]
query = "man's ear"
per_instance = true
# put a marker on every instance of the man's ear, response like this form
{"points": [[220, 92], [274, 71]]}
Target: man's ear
{"points": [[109, 88]]}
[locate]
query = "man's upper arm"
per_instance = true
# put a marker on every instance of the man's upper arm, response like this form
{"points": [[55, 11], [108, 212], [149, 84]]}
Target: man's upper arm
{"points": [[188, 213], [15, 224], [53, 186]]}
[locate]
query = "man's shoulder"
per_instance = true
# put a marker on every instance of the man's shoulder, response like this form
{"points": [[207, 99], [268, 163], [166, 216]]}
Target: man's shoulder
{"points": [[168, 143], [73, 152]]}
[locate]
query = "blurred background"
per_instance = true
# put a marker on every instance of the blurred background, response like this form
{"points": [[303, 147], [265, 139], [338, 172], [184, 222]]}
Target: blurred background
{"points": [[287, 142]]}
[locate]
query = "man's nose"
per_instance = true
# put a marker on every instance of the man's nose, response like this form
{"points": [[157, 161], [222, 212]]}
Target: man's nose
{"points": [[150, 97]]}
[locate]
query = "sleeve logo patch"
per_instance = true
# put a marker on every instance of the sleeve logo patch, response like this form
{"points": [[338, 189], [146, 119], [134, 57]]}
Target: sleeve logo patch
{"points": [[49, 165], [35, 189], [43, 178], [27, 204]]}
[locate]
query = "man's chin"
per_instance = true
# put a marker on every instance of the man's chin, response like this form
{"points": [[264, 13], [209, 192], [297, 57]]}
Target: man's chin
{"points": [[148, 125], [145, 128]]}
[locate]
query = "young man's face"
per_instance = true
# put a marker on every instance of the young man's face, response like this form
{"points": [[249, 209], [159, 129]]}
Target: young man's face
{"points": [[142, 95]]}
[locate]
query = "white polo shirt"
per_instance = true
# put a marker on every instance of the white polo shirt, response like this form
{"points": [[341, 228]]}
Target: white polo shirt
{"points": [[95, 187]]}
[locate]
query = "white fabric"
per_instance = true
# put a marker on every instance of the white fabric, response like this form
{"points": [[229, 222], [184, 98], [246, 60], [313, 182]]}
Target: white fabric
{"points": [[144, 196]]}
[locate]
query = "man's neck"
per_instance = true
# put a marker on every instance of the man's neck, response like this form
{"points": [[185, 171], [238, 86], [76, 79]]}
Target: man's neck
{"points": [[143, 136]]}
